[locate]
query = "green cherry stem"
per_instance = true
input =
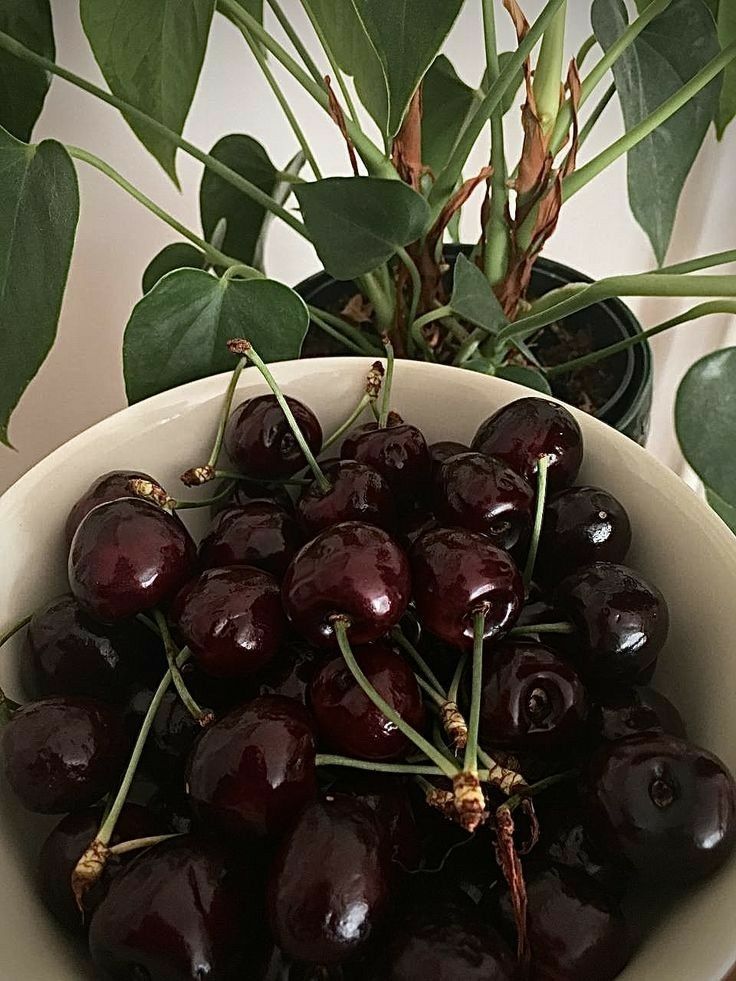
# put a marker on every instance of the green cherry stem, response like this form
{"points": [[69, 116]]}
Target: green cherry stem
{"points": [[221, 495], [386, 400], [542, 468], [471, 749], [326, 759], [532, 789], [373, 383], [280, 482], [398, 637], [457, 678], [434, 696], [136, 844], [183, 692], [542, 628], [15, 628], [340, 625], [245, 348]]}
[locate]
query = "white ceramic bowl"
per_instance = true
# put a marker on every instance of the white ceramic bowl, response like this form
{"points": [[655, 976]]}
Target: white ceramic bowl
{"points": [[678, 543]]}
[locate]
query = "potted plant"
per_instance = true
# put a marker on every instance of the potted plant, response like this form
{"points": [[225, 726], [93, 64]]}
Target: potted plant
{"points": [[382, 235]]}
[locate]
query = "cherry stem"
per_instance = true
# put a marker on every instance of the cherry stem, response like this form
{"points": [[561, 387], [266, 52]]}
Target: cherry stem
{"points": [[225, 412], [135, 844], [7, 705], [14, 629], [542, 628], [457, 678], [398, 636], [365, 401], [386, 400], [542, 467], [283, 482], [207, 501], [171, 654], [325, 759], [242, 346], [340, 625], [471, 747], [531, 790]]}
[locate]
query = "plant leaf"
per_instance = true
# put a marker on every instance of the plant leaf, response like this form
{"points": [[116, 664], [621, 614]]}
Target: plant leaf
{"points": [[178, 331], [726, 20], [473, 298], [724, 510], [281, 193], [218, 199], [151, 55], [658, 63], [23, 87], [523, 375], [705, 420], [176, 255], [447, 104], [39, 208], [407, 34], [356, 223]]}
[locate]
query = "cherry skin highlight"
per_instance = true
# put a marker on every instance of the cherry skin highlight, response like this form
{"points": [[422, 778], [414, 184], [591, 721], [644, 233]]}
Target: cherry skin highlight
{"points": [[259, 440]]}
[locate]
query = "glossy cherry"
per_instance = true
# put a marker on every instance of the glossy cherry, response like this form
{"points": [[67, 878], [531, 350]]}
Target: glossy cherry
{"points": [[231, 619], [128, 556], [444, 450], [481, 494], [246, 492], [665, 805], [109, 487], [456, 573], [522, 431], [290, 673], [621, 619], [416, 523], [358, 493], [576, 932], [581, 525], [63, 753], [184, 910], [66, 844], [353, 570], [398, 452], [625, 712], [260, 442], [329, 884], [388, 798], [251, 772], [260, 533], [566, 841], [347, 719], [171, 736], [69, 653], [532, 699]]}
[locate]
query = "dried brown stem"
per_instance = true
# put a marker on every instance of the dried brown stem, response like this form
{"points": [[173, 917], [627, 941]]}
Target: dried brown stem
{"points": [[338, 117]]}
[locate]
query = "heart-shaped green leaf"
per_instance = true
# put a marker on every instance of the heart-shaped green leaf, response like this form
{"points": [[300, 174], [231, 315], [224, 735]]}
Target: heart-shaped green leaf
{"points": [[179, 331], [39, 208], [473, 298], [724, 510], [447, 104], [357, 223], [218, 199], [667, 53], [23, 87], [726, 21], [522, 375], [176, 255], [151, 54], [705, 420], [407, 34]]}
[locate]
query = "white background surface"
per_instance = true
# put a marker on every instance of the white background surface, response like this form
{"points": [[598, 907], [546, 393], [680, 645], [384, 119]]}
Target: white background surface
{"points": [[81, 381]]}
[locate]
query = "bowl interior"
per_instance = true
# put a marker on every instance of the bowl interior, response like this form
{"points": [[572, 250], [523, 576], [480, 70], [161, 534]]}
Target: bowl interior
{"points": [[678, 543]]}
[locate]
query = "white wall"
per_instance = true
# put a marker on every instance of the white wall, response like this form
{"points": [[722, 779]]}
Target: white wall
{"points": [[81, 380]]}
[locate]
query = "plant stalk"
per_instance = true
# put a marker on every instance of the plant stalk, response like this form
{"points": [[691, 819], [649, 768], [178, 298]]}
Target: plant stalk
{"points": [[548, 71], [333, 62], [398, 637], [349, 422], [542, 467], [296, 41], [326, 759], [387, 384], [496, 252]]}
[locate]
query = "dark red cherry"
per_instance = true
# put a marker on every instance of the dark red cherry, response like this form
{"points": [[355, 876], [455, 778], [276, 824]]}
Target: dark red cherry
{"points": [[171, 736], [532, 699], [481, 494], [444, 450], [632, 711], [63, 753], [354, 570], [522, 431], [576, 932], [665, 805], [622, 621], [68, 653], [581, 525], [184, 910], [290, 673], [260, 534], [66, 844], [457, 572], [398, 452], [109, 487], [566, 840], [251, 772], [415, 524], [231, 619], [246, 492], [388, 798], [128, 556], [329, 884], [358, 493], [259, 440], [348, 721]]}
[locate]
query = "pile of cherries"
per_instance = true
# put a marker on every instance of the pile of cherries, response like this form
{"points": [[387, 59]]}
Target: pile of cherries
{"points": [[400, 727]]}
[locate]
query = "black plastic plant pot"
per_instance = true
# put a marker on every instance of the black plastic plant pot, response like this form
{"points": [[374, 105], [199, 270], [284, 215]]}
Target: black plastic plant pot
{"points": [[617, 390]]}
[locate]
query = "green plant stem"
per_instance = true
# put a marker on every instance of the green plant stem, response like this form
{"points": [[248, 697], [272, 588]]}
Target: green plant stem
{"points": [[376, 287], [15, 628], [226, 173], [577, 180], [457, 677], [548, 71], [427, 318], [448, 768], [416, 282], [701, 262], [542, 467], [332, 60], [584, 50], [542, 628], [296, 41], [326, 759], [599, 70], [214, 255], [398, 637], [596, 114], [700, 310], [372, 156], [387, 385], [496, 232], [430, 692], [279, 482], [136, 844], [338, 328], [252, 355], [332, 332], [449, 176], [532, 789], [181, 689], [282, 101], [227, 404], [476, 692], [349, 422], [207, 501]]}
